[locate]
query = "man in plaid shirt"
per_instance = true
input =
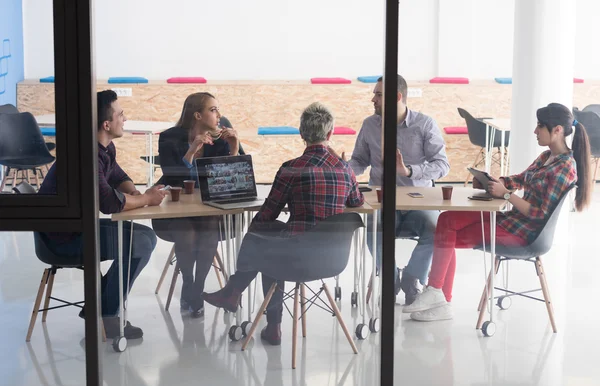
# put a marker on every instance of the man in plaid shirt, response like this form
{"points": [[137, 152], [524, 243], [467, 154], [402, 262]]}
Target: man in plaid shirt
{"points": [[314, 186]]}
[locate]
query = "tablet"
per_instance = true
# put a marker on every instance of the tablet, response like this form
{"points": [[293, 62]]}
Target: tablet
{"points": [[481, 176]]}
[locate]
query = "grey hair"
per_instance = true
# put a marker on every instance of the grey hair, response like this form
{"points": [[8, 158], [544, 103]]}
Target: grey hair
{"points": [[315, 123]]}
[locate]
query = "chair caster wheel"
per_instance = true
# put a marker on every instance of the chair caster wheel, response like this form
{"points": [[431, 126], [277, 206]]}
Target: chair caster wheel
{"points": [[246, 326], [235, 333], [362, 331], [354, 299], [488, 328], [338, 293], [504, 302], [374, 325], [119, 344]]}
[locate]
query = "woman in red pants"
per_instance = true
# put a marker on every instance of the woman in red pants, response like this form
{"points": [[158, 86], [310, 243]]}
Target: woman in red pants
{"points": [[543, 183]]}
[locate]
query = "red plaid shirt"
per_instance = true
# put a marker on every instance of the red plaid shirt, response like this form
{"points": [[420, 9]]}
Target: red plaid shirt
{"points": [[543, 188], [314, 186]]}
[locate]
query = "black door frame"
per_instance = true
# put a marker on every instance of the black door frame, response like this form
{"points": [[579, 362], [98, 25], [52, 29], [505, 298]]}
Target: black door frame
{"points": [[75, 206], [390, 121]]}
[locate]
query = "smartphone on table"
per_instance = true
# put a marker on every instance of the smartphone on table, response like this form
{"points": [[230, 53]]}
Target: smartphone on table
{"points": [[415, 195]]}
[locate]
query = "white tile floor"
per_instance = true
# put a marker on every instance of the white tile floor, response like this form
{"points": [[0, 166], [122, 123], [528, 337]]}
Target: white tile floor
{"points": [[177, 350]]}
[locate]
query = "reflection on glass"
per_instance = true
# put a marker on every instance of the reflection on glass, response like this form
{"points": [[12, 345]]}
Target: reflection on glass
{"points": [[27, 147]]}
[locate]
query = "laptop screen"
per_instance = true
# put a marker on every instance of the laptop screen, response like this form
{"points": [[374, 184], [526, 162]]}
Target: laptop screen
{"points": [[226, 177]]}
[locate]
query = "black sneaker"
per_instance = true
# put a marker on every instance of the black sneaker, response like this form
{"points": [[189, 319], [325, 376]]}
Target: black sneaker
{"points": [[184, 305], [111, 326], [197, 313], [409, 285]]}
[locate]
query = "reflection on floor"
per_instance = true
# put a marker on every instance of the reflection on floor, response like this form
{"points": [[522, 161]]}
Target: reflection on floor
{"points": [[177, 350]]}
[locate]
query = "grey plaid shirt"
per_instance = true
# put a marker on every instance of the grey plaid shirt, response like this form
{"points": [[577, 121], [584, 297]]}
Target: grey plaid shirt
{"points": [[420, 142]]}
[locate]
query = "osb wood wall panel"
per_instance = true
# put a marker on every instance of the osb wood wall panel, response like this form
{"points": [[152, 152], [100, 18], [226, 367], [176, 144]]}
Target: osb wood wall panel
{"points": [[252, 104]]}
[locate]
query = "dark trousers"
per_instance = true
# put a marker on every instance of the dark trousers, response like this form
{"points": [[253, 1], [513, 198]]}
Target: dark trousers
{"points": [[144, 242], [196, 240], [255, 253]]}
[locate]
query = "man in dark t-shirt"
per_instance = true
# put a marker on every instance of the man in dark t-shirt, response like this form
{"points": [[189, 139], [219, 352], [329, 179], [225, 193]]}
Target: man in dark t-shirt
{"points": [[116, 193]]}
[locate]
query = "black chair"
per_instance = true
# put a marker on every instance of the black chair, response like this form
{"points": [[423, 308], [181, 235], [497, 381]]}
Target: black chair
{"points": [[320, 253], [55, 262], [531, 253], [8, 109], [591, 121], [47, 282], [477, 133], [22, 146], [592, 108], [11, 109]]}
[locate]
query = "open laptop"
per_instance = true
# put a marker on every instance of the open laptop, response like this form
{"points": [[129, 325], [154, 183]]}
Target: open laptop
{"points": [[227, 182]]}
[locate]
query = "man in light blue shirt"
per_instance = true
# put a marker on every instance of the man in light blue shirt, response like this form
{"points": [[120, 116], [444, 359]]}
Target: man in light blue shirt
{"points": [[420, 160]]}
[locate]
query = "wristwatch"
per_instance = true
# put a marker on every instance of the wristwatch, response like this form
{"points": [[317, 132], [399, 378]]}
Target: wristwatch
{"points": [[507, 195], [409, 168]]}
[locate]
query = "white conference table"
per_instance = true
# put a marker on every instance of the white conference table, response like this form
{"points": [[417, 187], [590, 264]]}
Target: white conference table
{"points": [[148, 128], [491, 127]]}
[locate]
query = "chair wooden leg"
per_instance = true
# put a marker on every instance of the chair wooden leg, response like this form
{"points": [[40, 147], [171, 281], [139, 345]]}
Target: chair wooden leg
{"points": [[259, 314], [172, 287], [489, 282], [546, 292], [303, 308], [165, 270], [15, 173], [339, 317], [221, 266], [482, 307], [217, 269], [37, 180], [4, 177], [48, 293], [295, 326], [36, 305], [102, 330]]}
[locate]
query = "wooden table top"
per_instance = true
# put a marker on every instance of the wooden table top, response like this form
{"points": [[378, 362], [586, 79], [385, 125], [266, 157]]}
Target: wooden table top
{"points": [[433, 200], [190, 205]]}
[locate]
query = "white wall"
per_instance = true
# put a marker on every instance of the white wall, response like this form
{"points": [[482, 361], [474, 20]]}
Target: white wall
{"points": [[284, 39]]}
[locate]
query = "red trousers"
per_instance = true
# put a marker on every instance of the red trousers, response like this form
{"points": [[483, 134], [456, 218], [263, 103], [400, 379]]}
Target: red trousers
{"points": [[461, 230]]}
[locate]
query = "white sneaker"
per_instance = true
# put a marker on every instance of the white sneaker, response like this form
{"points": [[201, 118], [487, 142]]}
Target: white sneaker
{"points": [[439, 313], [428, 299]]}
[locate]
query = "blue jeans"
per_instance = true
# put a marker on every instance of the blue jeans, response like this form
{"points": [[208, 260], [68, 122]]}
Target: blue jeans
{"points": [[421, 223], [144, 242]]}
